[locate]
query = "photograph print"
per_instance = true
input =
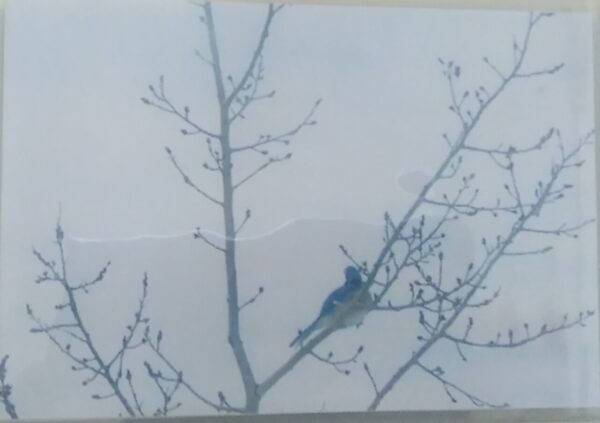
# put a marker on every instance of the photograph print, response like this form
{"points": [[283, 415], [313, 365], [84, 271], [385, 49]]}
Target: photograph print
{"points": [[251, 208]]}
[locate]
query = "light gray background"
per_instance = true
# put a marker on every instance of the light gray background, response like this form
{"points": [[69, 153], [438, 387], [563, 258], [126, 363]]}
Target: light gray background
{"points": [[76, 133]]}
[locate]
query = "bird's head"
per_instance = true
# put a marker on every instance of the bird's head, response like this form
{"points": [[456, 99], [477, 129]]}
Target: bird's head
{"points": [[352, 275]]}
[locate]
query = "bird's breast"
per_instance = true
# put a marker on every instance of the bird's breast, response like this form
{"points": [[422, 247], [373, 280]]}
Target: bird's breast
{"points": [[354, 317]]}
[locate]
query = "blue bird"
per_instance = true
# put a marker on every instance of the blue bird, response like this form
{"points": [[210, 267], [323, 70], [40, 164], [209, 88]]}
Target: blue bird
{"points": [[345, 294]]}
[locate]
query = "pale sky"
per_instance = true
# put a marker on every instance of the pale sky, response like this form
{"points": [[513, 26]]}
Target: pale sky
{"points": [[77, 137]]}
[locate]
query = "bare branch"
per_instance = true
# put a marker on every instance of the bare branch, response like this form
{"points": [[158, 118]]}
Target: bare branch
{"points": [[260, 291], [138, 405], [92, 360], [512, 343], [6, 391], [216, 155], [99, 277], [161, 102], [495, 69], [203, 58], [549, 71], [570, 231], [371, 378], [132, 329], [338, 363], [167, 388], [271, 12], [438, 373], [283, 138], [471, 209], [528, 253], [50, 265], [179, 377], [272, 160], [57, 326], [249, 93], [247, 217], [103, 397], [198, 234], [188, 181], [493, 254], [512, 150]]}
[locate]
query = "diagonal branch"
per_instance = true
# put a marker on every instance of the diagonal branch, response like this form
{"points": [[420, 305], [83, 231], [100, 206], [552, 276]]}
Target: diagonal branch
{"points": [[493, 254], [371, 378], [247, 217], [271, 161], [271, 12], [96, 364], [163, 383], [284, 137], [438, 374], [188, 181], [155, 346], [99, 277], [162, 102], [136, 401], [251, 300], [198, 234], [132, 329]]}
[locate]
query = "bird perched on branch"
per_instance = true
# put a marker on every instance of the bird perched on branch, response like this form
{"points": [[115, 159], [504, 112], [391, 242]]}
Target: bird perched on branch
{"points": [[349, 299]]}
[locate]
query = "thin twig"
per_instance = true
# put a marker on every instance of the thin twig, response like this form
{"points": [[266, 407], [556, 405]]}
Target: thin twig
{"points": [[188, 181]]}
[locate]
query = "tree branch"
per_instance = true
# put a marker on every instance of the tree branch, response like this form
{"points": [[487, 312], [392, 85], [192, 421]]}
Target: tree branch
{"points": [[271, 12], [6, 391], [283, 138], [155, 346], [438, 374], [252, 299], [272, 160], [90, 360], [199, 235], [493, 254], [161, 102], [564, 229], [338, 363], [189, 182], [528, 338]]}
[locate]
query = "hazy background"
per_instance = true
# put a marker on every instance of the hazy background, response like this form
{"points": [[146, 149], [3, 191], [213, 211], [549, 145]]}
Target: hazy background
{"points": [[76, 134]]}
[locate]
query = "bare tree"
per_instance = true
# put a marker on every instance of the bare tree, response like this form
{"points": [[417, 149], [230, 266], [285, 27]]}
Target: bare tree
{"points": [[431, 296], [414, 243], [234, 97], [445, 303], [73, 338]]}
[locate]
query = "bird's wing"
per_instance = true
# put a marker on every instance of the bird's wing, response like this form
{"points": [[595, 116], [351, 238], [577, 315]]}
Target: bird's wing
{"points": [[338, 296], [302, 335]]}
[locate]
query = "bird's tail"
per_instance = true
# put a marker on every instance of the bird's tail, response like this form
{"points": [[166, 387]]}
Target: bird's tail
{"points": [[305, 333]]}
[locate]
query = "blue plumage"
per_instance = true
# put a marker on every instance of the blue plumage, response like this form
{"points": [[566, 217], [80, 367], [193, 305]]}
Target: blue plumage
{"points": [[344, 294]]}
